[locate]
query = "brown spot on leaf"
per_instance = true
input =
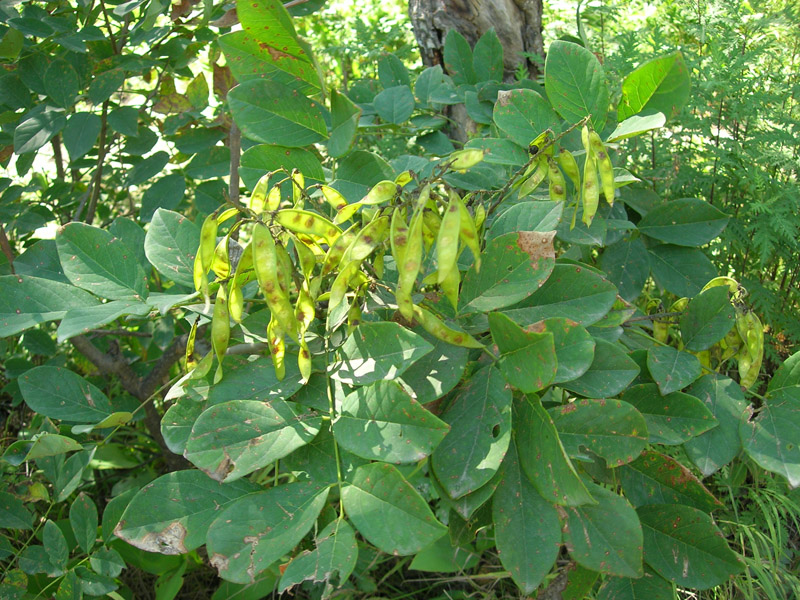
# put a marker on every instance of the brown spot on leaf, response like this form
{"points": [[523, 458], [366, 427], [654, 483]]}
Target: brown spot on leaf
{"points": [[167, 541], [537, 245]]}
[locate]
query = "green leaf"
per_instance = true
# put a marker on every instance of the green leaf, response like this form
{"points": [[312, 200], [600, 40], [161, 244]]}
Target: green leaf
{"points": [[576, 84], [527, 358], [389, 512], [124, 120], [34, 559], [46, 444], [480, 430], [680, 271], [13, 514], [177, 423], [251, 534], [187, 502], [269, 46], [573, 344], [165, 193], [523, 114], [633, 126], [514, 266], [83, 519], [26, 301], [649, 587], [443, 556], [197, 92], [254, 379], [606, 536], [147, 168], [487, 57], [210, 164], [61, 394], [427, 83], [504, 152], [611, 372], [105, 84], [107, 562], [527, 530], [81, 320], [55, 545], [436, 373], [395, 104], [612, 429], [382, 422], [655, 478], [467, 505], [62, 83], [708, 319], [671, 419], [272, 113], [659, 85], [684, 222], [97, 262], [197, 140], [627, 266], [38, 127], [772, 437], [171, 244], [11, 44], [232, 439], [392, 72], [344, 124], [458, 58], [332, 559], [357, 172], [787, 375], [80, 134], [672, 369], [259, 160], [543, 457], [714, 449], [683, 545], [541, 216], [376, 351], [317, 460], [571, 292]]}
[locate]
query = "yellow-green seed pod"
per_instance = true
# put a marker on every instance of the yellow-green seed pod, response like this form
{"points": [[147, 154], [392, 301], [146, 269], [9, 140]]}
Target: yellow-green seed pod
{"points": [[729, 282], [304, 221], [305, 257], [258, 199], [398, 234], [189, 357], [368, 239], [450, 285], [433, 325], [569, 165], [208, 242], [265, 263], [591, 190], [480, 216], [585, 138], [220, 329], [431, 224], [730, 345], [604, 166], [342, 283], [541, 143], [333, 259], [469, 234], [461, 160], [447, 240], [277, 347], [346, 213], [354, 315], [408, 269], [235, 300], [381, 192], [304, 361], [404, 178], [660, 331], [274, 198], [333, 198], [558, 188], [298, 187], [377, 262], [221, 264], [285, 268], [530, 184], [227, 214], [304, 311]]}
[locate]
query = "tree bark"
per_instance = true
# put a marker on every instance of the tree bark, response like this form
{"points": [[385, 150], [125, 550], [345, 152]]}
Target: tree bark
{"points": [[518, 24]]}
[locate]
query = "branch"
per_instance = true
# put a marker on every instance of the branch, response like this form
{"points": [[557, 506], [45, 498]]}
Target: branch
{"points": [[151, 382], [662, 316], [111, 363], [118, 333], [235, 145], [56, 143], [5, 246], [98, 174]]}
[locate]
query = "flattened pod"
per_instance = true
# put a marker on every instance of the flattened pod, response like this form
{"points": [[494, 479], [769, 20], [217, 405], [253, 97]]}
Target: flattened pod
{"points": [[558, 189], [333, 260], [469, 234], [450, 285], [369, 238], [205, 252], [274, 198], [531, 183], [304, 221], [461, 160], [431, 224], [447, 241], [604, 165], [398, 235], [265, 263], [433, 325], [222, 262], [591, 190], [285, 268], [342, 283], [305, 258], [277, 347], [480, 216], [304, 361], [381, 192], [569, 165], [258, 199], [235, 300], [220, 329], [304, 311], [408, 269], [298, 186]]}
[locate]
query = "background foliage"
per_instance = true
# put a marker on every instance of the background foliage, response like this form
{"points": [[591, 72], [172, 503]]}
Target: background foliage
{"points": [[563, 416]]}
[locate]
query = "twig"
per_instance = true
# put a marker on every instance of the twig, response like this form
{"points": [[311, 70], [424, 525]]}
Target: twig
{"points": [[98, 174], [504, 190], [119, 333], [247, 348], [56, 143], [655, 317], [6, 247]]}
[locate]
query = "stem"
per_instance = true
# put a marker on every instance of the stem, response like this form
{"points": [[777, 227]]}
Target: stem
{"points": [[56, 143], [332, 410], [235, 145], [5, 246], [98, 174]]}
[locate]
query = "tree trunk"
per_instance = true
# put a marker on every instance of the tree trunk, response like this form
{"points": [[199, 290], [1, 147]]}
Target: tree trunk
{"points": [[518, 24]]}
